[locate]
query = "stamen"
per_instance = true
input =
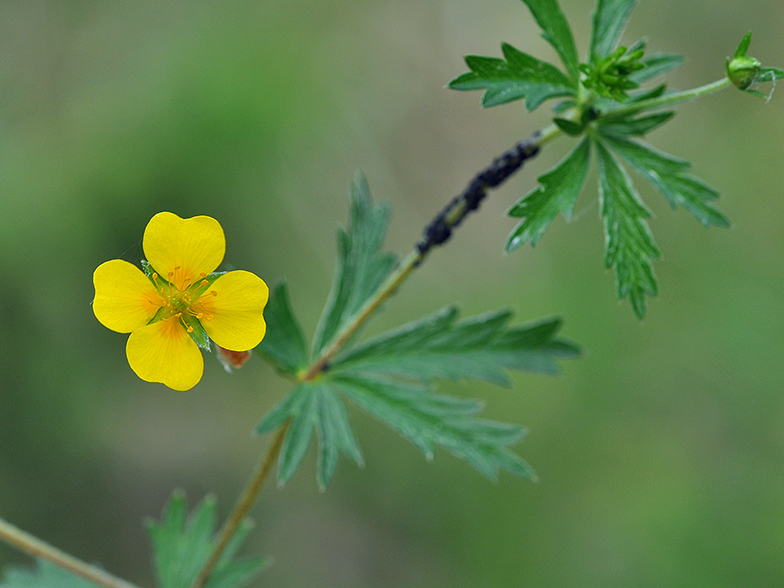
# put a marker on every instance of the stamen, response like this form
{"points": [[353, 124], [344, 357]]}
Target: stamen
{"points": [[204, 282], [213, 292]]}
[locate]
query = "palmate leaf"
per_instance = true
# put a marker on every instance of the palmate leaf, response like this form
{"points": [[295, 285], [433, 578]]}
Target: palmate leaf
{"points": [[183, 543], [389, 377], [517, 76], [43, 575]]}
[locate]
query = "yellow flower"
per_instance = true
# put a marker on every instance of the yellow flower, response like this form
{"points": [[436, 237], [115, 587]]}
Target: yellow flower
{"points": [[180, 302]]}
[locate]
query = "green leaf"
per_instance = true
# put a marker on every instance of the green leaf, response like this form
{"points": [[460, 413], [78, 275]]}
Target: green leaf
{"points": [[629, 245], [334, 434], [311, 405], [43, 575], [361, 267], [477, 348], [519, 76], [609, 20], [428, 419], [631, 125], [284, 344], [389, 376], [656, 64], [666, 173], [182, 546], [556, 31], [558, 191]]}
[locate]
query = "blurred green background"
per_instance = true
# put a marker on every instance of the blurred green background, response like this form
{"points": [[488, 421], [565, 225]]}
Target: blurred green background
{"points": [[660, 453]]}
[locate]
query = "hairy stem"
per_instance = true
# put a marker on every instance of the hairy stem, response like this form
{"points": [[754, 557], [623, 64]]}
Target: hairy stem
{"points": [[38, 549], [243, 505]]}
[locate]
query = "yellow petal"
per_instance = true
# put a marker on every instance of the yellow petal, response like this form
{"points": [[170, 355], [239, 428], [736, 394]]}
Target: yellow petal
{"points": [[163, 352], [233, 310], [124, 298], [183, 250]]}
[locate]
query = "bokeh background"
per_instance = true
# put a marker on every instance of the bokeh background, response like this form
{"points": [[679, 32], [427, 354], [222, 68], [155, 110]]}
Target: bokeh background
{"points": [[660, 453]]}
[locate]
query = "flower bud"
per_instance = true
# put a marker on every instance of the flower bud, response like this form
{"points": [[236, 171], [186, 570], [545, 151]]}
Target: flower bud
{"points": [[743, 70]]}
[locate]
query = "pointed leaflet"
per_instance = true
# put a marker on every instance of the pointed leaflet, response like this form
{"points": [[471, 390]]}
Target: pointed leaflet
{"points": [[520, 76], [477, 348], [629, 246], [311, 405], [428, 419], [558, 191], [609, 20], [556, 31], [361, 266], [284, 344], [667, 174], [181, 547]]}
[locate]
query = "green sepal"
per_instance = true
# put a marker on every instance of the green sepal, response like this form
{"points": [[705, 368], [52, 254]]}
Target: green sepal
{"points": [[148, 269], [198, 334], [204, 283], [183, 543], [284, 343], [557, 191]]}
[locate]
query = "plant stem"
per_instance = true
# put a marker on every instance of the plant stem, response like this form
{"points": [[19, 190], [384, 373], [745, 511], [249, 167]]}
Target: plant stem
{"points": [[673, 98], [243, 505], [437, 232], [39, 549]]}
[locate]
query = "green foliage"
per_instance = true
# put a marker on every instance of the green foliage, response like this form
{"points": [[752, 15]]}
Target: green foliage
{"points": [[606, 109], [391, 375], [284, 344], [361, 266], [182, 545], [44, 575], [557, 191]]}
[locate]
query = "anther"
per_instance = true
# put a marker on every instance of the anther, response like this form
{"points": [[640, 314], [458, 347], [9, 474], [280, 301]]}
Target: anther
{"points": [[213, 292]]}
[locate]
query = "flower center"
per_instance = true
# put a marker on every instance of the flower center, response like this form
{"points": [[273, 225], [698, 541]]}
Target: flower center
{"points": [[179, 302]]}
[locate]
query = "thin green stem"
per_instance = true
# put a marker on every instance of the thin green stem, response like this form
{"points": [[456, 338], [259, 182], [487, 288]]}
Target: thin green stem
{"points": [[39, 549], [674, 98], [243, 505], [397, 277]]}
